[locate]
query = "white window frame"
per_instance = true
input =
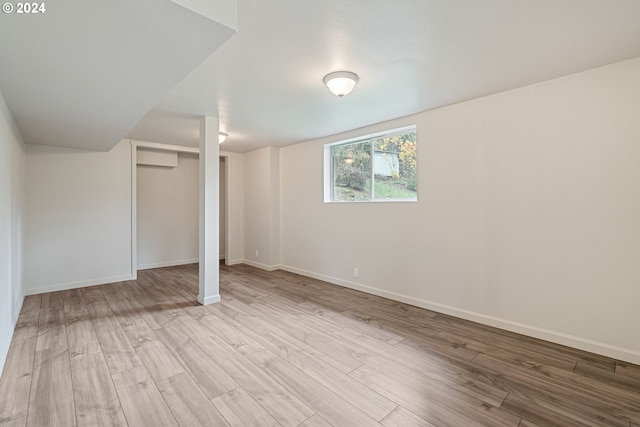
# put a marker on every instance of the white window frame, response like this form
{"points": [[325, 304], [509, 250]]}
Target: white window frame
{"points": [[329, 166]]}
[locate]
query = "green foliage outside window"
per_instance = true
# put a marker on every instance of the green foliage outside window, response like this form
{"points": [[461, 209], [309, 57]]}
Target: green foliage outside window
{"points": [[392, 159]]}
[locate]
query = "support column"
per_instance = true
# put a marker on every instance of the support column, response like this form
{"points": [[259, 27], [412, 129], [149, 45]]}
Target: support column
{"points": [[209, 211]]}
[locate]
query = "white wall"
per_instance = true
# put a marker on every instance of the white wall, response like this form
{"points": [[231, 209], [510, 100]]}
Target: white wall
{"points": [[274, 207], [261, 208], [234, 168], [167, 212], [78, 217], [223, 209], [12, 166], [527, 215]]}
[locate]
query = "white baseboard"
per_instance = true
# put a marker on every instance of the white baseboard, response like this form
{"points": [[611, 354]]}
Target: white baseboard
{"points": [[6, 343], [4, 349], [75, 285], [259, 265], [167, 264], [608, 350], [209, 300]]}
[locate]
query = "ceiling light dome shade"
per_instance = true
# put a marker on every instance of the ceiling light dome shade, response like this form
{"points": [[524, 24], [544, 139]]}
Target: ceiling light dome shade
{"points": [[341, 83], [221, 137]]}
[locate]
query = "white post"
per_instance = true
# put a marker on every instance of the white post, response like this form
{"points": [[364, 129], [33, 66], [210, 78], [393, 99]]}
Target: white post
{"points": [[209, 211]]}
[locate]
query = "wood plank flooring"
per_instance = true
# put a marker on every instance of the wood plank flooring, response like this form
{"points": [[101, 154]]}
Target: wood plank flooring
{"points": [[285, 350]]}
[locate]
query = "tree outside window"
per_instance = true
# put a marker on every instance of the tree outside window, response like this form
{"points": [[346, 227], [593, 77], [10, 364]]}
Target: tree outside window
{"points": [[380, 167]]}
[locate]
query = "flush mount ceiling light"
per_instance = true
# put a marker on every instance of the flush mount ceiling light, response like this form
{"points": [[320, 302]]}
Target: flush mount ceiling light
{"points": [[221, 137], [340, 83]]}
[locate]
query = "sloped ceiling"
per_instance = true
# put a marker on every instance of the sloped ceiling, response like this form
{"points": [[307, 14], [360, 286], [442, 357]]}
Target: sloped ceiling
{"points": [[87, 73], [83, 73], [266, 86]]}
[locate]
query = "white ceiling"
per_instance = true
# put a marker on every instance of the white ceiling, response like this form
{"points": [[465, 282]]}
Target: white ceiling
{"points": [[265, 82], [83, 73]]}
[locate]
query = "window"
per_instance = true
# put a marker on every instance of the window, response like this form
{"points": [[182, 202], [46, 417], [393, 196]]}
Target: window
{"points": [[378, 167]]}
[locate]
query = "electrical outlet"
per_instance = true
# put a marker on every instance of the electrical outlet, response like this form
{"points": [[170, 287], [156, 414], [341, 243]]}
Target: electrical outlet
{"points": [[257, 254], [356, 272]]}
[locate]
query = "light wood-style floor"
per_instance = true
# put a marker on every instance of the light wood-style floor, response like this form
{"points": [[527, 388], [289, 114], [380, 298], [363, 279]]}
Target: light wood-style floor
{"points": [[285, 350]]}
